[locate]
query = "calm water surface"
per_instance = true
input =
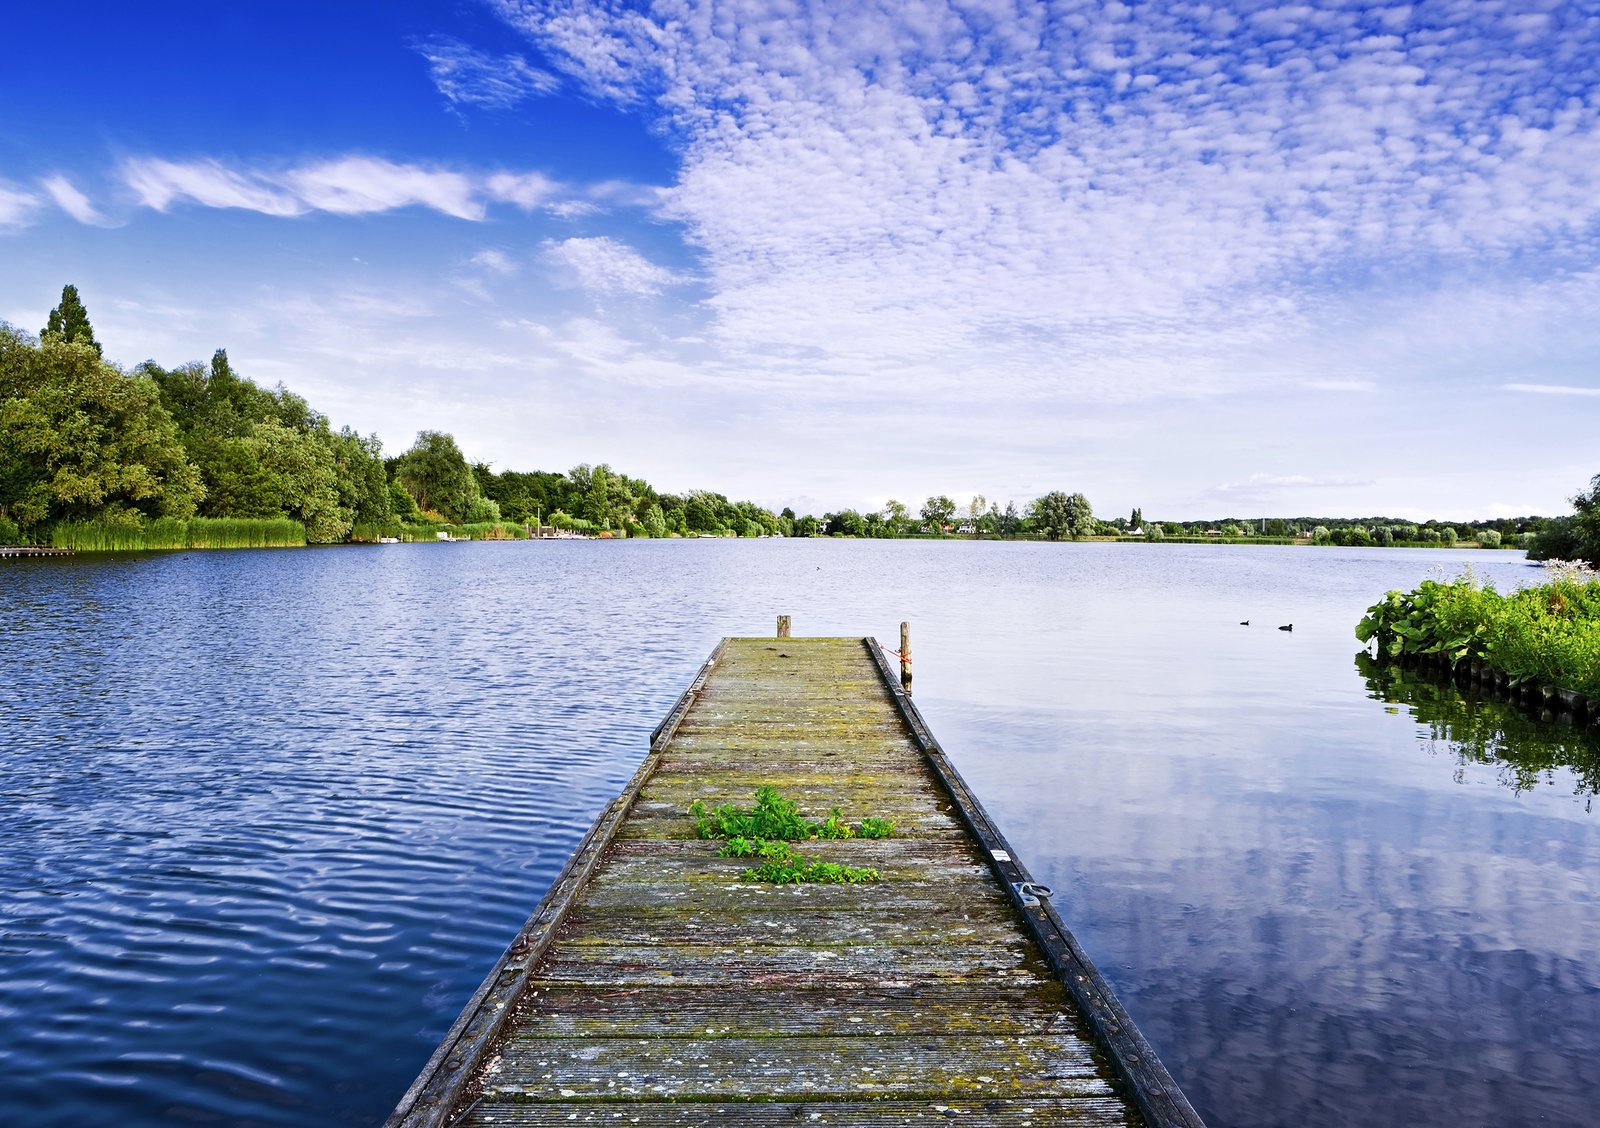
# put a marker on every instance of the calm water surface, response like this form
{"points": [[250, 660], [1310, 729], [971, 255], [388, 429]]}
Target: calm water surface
{"points": [[266, 818]]}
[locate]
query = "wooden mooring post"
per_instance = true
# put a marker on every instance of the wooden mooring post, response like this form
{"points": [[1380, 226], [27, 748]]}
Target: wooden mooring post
{"points": [[660, 983], [783, 626], [905, 657]]}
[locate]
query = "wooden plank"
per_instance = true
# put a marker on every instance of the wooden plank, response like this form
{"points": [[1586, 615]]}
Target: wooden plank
{"points": [[969, 1113], [810, 1068], [667, 988], [566, 1010]]}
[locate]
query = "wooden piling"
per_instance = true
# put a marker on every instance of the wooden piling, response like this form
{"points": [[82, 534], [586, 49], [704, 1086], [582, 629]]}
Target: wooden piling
{"points": [[783, 626], [658, 984], [905, 657]]}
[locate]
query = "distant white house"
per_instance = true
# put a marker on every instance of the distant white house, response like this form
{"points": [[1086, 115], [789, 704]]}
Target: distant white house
{"points": [[1136, 532]]}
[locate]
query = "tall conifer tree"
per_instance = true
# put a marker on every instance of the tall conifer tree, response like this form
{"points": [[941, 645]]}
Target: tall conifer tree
{"points": [[70, 321]]}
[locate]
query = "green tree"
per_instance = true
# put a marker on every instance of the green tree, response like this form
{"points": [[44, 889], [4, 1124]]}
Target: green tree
{"points": [[362, 484], [300, 481], [895, 517], [80, 439], [1049, 513], [483, 509], [69, 321], [597, 501], [436, 474], [655, 522], [402, 504], [1136, 520], [938, 511], [1586, 524], [1063, 515], [846, 523], [1080, 516], [700, 515]]}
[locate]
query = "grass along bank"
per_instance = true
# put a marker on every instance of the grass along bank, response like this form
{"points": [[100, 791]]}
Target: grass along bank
{"points": [[197, 532], [1548, 633]]}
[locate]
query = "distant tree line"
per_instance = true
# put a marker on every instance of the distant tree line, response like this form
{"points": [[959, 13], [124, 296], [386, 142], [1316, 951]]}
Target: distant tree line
{"points": [[82, 440]]}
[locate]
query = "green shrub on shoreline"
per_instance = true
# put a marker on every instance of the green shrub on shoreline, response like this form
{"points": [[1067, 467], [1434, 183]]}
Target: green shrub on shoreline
{"points": [[1548, 633]]}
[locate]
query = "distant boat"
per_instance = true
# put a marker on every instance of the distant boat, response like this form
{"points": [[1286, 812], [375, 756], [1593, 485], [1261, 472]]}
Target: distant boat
{"points": [[388, 540]]}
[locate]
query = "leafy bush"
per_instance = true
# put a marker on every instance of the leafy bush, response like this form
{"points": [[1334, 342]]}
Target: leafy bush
{"points": [[1489, 538], [1548, 633]]}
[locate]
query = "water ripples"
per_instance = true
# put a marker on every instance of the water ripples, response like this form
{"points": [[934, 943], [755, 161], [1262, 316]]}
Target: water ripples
{"points": [[269, 816]]}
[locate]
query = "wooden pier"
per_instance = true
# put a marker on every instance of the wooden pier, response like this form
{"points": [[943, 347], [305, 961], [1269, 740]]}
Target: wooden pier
{"points": [[33, 550], [654, 985]]}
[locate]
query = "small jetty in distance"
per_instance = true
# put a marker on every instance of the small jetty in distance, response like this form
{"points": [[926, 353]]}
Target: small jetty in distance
{"points": [[34, 550], [655, 984]]}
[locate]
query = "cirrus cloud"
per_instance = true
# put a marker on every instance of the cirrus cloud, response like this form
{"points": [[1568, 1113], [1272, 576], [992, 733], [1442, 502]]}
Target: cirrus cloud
{"points": [[17, 207], [356, 185], [467, 77], [603, 266]]}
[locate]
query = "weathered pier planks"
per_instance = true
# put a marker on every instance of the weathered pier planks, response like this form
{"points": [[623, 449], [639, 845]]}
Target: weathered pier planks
{"points": [[655, 986]]}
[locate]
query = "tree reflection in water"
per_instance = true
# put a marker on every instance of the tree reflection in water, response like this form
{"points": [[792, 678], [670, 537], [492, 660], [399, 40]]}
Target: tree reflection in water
{"points": [[1478, 728]]}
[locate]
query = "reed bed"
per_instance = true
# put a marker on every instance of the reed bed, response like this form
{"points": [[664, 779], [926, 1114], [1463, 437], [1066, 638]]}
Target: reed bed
{"points": [[165, 533]]}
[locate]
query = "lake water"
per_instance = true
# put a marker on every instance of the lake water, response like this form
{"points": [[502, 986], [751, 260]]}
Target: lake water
{"points": [[267, 817]]}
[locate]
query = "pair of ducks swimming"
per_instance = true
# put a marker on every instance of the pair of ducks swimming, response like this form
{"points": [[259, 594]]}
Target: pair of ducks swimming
{"points": [[1288, 627]]}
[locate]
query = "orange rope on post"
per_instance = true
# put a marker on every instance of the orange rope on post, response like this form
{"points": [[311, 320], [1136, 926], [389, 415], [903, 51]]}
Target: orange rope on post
{"points": [[896, 653]]}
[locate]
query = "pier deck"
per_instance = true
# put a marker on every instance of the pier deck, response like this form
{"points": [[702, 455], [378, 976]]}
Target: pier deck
{"points": [[655, 986], [7, 550]]}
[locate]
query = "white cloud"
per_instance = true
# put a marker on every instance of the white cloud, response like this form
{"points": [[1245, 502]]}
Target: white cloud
{"points": [[1089, 200], [1551, 389], [604, 266], [468, 77], [70, 200], [494, 262], [159, 184], [527, 190], [359, 185], [17, 207]]}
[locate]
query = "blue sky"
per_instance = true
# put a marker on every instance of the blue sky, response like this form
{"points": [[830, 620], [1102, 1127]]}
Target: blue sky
{"points": [[1246, 259]]}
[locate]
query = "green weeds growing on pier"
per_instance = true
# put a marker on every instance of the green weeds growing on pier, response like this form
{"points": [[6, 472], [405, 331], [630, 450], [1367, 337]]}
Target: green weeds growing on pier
{"points": [[777, 819], [766, 830]]}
